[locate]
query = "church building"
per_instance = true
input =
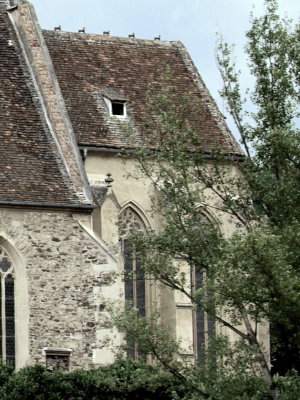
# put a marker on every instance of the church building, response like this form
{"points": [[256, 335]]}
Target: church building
{"points": [[67, 101]]}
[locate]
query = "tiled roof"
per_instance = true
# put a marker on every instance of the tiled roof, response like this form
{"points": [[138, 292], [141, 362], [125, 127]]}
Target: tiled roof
{"points": [[31, 169], [88, 65]]}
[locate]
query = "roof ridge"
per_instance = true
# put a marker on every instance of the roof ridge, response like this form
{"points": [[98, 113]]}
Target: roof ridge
{"points": [[85, 36]]}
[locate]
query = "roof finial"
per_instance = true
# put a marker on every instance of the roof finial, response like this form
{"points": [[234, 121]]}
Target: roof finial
{"points": [[109, 180], [12, 4]]}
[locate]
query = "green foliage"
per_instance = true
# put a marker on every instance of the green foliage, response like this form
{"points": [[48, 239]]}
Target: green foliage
{"points": [[125, 379], [152, 339], [6, 371], [228, 380], [253, 275], [271, 171], [221, 377], [289, 385]]}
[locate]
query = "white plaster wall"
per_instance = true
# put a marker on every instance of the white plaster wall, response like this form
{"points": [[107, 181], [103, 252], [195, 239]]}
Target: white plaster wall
{"points": [[129, 186]]}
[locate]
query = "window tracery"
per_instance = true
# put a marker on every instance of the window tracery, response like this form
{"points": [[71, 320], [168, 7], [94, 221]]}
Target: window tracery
{"points": [[130, 223]]}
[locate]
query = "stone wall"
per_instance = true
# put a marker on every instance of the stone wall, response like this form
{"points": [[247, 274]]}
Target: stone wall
{"points": [[64, 270]]}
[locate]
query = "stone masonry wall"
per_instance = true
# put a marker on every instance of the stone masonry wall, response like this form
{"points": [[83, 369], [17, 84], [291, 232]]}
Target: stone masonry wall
{"points": [[65, 267]]}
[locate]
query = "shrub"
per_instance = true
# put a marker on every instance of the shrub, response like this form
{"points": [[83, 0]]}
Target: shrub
{"points": [[123, 380]]}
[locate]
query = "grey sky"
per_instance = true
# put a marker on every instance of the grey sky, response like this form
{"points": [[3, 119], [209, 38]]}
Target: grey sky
{"points": [[193, 22]]}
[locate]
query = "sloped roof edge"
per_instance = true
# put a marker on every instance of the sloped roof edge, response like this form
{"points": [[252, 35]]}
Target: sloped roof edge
{"points": [[29, 35]]}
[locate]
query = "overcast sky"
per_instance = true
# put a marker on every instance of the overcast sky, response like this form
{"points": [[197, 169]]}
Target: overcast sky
{"points": [[193, 22]]}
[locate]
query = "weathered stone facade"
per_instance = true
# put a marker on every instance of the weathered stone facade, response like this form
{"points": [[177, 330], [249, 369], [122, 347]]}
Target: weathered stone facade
{"points": [[64, 270]]}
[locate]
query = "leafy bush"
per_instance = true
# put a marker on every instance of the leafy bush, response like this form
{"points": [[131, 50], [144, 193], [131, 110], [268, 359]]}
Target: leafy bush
{"points": [[123, 380], [289, 385]]}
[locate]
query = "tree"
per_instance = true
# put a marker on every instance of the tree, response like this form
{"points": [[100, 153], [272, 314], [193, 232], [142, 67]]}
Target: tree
{"points": [[272, 165], [253, 275]]}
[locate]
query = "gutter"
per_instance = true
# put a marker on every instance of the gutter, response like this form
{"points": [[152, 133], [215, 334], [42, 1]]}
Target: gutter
{"points": [[58, 206], [117, 150]]}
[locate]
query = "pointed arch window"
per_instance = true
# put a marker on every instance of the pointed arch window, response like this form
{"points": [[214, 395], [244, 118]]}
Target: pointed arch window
{"points": [[134, 277], [7, 309]]}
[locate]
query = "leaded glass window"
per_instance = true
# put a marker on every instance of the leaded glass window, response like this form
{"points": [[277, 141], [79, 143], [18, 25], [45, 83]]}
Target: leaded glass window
{"points": [[204, 324], [199, 322], [134, 278], [7, 308]]}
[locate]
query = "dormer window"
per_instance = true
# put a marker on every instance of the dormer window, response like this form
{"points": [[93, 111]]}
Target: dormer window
{"points": [[118, 108], [115, 103]]}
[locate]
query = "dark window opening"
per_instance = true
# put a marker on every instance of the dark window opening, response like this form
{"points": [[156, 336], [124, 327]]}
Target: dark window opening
{"points": [[7, 307], [204, 328], [10, 319], [117, 108], [134, 277], [200, 323]]}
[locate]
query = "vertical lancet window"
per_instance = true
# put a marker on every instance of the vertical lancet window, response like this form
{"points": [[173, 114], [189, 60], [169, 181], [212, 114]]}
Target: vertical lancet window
{"points": [[134, 278], [7, 308], [204, 324]]}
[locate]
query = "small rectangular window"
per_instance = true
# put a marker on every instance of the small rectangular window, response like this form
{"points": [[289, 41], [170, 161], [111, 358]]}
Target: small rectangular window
{"points": [[117, 108]]}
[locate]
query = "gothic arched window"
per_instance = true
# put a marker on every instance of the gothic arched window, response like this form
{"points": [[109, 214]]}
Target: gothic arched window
{"points": [[134, 278], [7, 308]]}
